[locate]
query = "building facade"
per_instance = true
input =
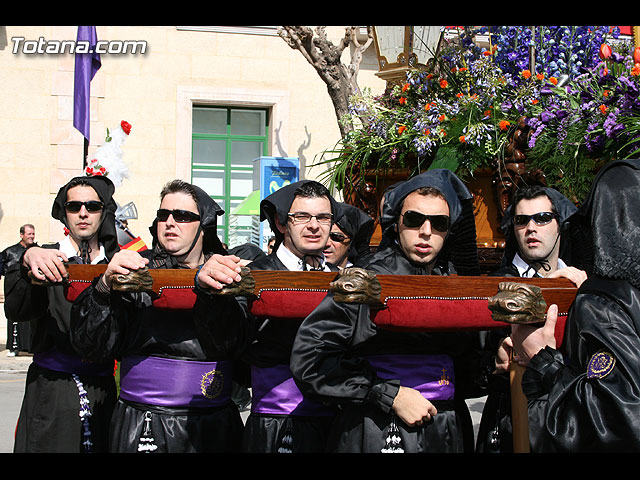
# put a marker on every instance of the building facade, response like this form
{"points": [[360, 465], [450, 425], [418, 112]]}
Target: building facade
{"points": [[203, 103]]}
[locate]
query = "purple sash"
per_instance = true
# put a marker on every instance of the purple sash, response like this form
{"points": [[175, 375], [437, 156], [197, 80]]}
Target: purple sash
{"points": [[274, 392], [63, 362], [168, 382], [431, 375]]}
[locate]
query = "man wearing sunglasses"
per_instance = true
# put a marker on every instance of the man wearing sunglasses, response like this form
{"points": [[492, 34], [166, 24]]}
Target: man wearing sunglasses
{"points": [[349, 237], [281, 419], [534, 224], [378, 377], [175, 378], [68, 401]]}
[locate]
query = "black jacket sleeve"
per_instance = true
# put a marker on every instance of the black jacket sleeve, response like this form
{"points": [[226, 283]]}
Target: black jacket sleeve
{"points": [[591, 397]]}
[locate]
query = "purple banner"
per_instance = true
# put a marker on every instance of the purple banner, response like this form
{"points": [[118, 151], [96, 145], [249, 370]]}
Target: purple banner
{"points": [[86, 66]]}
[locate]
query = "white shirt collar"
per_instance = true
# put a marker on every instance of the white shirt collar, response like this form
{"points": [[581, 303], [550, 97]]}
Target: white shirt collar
{"points": [[293, 262], [69, 250], [527, 271]]}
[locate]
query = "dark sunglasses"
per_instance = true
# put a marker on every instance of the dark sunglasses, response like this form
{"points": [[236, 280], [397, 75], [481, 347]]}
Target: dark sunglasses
{"points": [[180, 216], [540, 218], [338, 237], [411, 219], [91, 206]]}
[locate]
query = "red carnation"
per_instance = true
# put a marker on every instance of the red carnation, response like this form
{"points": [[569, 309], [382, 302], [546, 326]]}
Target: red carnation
{"points": [[126, 127]]}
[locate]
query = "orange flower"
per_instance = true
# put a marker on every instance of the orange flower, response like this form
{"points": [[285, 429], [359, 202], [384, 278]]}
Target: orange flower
{"points": [[603, 109], [504, 124], [443, 83], [526, 74], [540, 76], [635, 71], [427, 131], [606, 93], [427, 107], [441, 117], [487, 112], [403, 100], [487, 53], [553, 80], [534, 101], [459, 95], [462, 139], [401, 129], [430, 76], [405, 87]]}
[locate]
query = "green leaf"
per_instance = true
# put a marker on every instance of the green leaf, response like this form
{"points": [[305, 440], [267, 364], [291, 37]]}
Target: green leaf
{"points": [[446, 157]]}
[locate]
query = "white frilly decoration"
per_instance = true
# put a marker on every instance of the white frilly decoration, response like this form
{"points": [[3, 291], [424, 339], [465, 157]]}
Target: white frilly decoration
{"points": [[107, 159]]}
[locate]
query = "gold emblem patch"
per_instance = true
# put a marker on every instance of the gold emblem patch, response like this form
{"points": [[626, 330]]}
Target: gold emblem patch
{"points": [[600, 365], [211, 384]]}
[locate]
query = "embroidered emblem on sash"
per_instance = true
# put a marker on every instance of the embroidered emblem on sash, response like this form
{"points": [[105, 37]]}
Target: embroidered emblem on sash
{"points": [[211, 384], [444, 379], [600, 365]]}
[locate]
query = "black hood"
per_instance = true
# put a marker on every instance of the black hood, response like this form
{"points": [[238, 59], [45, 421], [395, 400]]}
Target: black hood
{"points": [[460, 246], [278, 204], [104, 188], [209, 212], [565, 209], [609, 222], [358, 225]]}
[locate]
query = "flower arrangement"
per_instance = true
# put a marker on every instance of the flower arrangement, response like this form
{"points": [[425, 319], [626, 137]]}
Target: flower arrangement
{"points": [[590, 121], [107, 160], [460, 112]]}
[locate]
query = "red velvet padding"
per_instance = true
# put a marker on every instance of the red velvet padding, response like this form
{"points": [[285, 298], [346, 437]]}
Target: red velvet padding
{"points": [[434, 315], [183, 298], [74, 289], [444, 315], [286, 303]]}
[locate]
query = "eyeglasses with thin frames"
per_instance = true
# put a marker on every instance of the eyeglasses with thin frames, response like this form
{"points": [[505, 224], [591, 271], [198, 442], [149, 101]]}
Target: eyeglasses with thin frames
{"points": [[304, 217]]}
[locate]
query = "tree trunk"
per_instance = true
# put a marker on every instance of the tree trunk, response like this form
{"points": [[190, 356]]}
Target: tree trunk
{"points": [[325, 57]]}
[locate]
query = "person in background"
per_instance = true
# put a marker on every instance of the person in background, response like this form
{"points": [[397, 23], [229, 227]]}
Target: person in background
{"points": [[270, 245], [349, 237], [18, 332]]}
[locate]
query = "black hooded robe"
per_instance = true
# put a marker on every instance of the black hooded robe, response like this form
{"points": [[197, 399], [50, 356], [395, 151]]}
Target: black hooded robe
{"points": [[127, 326], [337, 348], [590, 396], [49, 418]]}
